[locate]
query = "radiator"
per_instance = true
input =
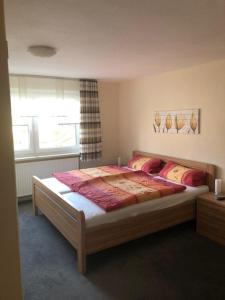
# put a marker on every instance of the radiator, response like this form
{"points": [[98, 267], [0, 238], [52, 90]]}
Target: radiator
{"points": [[42, 169]]}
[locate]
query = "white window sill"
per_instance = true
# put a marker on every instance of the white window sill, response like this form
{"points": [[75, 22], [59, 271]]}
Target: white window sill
{"points": [[45, 157]]}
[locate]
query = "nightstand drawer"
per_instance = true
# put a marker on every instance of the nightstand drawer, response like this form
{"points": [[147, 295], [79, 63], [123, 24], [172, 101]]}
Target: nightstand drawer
{"points": [[211, 211]]}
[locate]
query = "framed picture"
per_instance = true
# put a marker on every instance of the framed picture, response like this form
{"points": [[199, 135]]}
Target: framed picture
{"points": [[177, 121]]}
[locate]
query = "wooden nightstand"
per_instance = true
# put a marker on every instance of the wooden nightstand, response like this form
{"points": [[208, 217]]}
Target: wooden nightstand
{"points": [[211, 217]]}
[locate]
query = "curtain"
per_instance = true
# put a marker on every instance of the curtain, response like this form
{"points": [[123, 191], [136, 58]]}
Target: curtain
{"points": [[45, 96], [45, 114], [90, 124]]}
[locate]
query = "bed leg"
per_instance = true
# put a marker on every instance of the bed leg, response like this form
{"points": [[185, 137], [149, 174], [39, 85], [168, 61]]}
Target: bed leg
{"points": [[81, 249], [35, 208], [81, 262]]}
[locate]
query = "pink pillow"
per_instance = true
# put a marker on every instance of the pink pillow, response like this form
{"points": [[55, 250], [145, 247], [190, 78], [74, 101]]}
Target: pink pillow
{"points": [[144, 163], [184, 175]]}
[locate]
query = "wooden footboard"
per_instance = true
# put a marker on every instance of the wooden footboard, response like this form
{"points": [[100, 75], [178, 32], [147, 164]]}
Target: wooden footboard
{"points": [[69, 221]]}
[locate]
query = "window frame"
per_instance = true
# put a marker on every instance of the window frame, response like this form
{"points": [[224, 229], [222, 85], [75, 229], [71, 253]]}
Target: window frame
{"points": [[29, 88], [52, 150], [25, 152], [35, 149]]}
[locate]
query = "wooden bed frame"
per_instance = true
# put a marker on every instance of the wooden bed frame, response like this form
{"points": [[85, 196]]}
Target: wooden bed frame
{"points": [[71, 222]]}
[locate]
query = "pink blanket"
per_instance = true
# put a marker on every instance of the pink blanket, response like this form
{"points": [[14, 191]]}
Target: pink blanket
{"points": [[118, 188]]}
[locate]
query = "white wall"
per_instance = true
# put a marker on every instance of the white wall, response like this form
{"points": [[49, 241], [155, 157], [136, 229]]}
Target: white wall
{"points": [[203, 87]]}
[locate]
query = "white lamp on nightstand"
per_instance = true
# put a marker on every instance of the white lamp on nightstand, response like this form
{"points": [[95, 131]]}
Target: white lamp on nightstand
{"points": [[218, 186]]}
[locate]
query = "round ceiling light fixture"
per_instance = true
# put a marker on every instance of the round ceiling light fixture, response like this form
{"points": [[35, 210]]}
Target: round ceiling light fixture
{"points": [[42, 51]]}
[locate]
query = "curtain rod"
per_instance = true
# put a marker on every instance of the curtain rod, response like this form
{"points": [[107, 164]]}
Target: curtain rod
{"points": [[42, 76], [50, 77]]}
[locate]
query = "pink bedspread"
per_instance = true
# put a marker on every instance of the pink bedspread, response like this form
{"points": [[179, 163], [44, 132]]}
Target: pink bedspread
{"points": [[111, 187]]}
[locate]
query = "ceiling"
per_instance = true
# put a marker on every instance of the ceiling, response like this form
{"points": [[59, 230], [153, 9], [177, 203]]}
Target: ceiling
{"points": [[114, 39]]}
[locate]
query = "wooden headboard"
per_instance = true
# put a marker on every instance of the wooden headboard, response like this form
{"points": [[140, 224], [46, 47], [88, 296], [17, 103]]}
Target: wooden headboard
{"points": [[208, 168]]}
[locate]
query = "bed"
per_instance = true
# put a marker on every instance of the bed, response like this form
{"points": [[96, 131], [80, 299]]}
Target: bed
{"points": [[89, 229]]}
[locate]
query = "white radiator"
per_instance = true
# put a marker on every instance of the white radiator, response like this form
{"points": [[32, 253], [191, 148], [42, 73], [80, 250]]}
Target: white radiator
{"points": [[42, 169]]}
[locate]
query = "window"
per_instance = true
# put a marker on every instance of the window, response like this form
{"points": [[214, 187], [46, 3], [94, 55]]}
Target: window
{"points": [[45, 115]]}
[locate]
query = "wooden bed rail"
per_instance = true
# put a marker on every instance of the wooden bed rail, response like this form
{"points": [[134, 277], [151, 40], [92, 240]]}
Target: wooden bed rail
{"points": [[69, 221]]}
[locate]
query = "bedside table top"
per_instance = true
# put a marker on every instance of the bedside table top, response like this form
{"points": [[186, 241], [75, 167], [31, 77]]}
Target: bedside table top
{"points": [[210, 197]]}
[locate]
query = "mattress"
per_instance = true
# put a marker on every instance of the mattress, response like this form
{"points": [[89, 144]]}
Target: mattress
{"points": [[55, 185], [95, 216]]}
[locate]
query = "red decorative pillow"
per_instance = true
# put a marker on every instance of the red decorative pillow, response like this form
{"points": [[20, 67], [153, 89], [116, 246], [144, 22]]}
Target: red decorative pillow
{"points": [[144, 163], [184, 175]]}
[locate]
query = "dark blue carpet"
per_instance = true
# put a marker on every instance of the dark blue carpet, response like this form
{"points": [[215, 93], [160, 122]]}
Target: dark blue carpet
{"points": [[172, 264]]}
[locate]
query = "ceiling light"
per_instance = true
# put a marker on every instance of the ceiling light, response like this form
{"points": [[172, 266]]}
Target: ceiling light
{"points": [[42, 51]]}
